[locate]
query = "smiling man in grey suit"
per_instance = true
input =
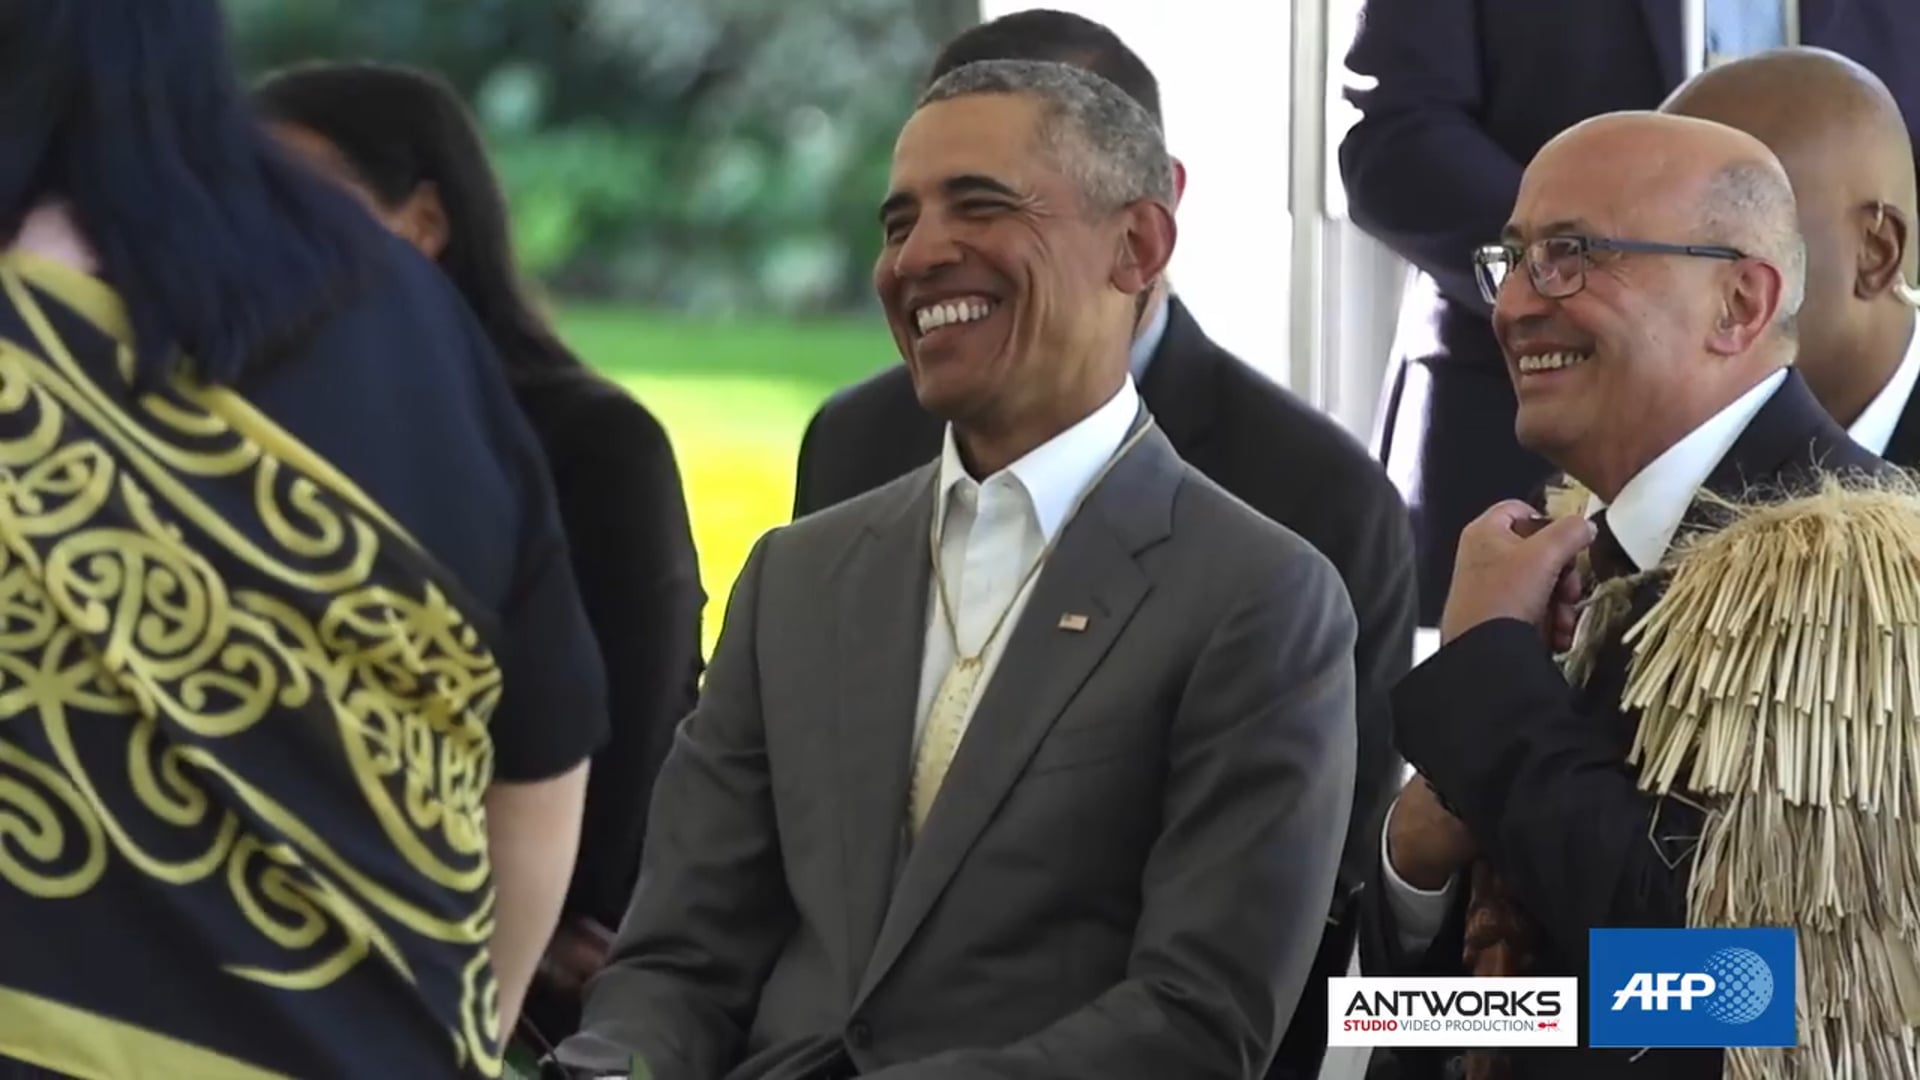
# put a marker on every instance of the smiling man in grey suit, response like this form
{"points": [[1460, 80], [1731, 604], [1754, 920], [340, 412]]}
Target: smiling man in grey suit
{"points": [[1037, 761]]}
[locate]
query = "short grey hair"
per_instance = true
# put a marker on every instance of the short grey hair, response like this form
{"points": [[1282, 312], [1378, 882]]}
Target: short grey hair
{"points": [[1749, 206], [1106, 141]]}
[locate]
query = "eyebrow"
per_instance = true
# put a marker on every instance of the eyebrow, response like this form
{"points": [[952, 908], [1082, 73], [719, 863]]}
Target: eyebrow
{"points": [[954, 187], [1568, 226]]}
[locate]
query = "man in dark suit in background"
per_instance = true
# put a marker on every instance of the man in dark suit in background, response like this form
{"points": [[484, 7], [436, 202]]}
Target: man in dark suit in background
{"points": [[1842, 139], [1465, 91], [1274, 451]]}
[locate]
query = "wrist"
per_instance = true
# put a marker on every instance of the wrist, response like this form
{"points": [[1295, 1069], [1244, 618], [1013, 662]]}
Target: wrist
{"points": [[1425, 854], [1421, 873]]}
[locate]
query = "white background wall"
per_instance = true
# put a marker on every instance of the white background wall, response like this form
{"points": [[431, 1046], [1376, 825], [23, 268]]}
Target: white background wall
{"points": [[1225, 98]]}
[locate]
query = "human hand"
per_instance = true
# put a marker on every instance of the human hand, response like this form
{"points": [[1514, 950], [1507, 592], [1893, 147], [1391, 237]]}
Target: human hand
{"points": [[1563, 610], [1514, 564], [1426, 844], [579, 949]]}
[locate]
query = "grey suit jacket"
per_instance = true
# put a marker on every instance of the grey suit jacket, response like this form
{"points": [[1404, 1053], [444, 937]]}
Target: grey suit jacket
{"points": [[1129, 865]]}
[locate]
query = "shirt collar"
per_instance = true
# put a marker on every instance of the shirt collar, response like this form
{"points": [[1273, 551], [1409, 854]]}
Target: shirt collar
{"points": [[1054, 474], [1148, 342], [1874, 428], [1648, 511]]}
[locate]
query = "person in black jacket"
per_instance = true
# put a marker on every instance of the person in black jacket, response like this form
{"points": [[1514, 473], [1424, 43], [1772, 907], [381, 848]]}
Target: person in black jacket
{"points": [[1456, 96], [1274, 451], [1645, 293], [403, 141], [300, 694], [1841, 136]]}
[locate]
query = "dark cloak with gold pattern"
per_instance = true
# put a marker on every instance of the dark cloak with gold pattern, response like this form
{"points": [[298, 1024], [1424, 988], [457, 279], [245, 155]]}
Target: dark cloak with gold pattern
{"points": [[243, 732]]}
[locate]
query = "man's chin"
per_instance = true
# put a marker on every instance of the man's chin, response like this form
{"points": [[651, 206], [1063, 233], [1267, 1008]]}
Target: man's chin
{"points": [[941, 397], [1542, 434]]}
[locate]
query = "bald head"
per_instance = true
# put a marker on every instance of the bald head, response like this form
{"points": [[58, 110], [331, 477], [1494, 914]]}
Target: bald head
{"points": [[1832, 123], [1664, 267], [1694, 181], [1839, 133], [1799, 98]]}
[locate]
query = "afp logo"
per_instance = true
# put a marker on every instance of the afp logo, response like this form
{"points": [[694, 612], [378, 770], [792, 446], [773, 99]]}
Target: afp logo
{"points": [[1691, 988]]}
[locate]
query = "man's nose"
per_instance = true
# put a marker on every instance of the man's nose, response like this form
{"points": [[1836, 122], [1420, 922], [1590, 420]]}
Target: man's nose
{"points": [[929, 246], [1518, 301]]}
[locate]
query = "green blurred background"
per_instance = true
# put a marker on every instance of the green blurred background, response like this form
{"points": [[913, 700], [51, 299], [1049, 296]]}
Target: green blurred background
{"points": [[693, 185]]}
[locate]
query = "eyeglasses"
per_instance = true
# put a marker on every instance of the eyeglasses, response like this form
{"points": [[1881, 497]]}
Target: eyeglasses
{"points": [[1557, 265]]}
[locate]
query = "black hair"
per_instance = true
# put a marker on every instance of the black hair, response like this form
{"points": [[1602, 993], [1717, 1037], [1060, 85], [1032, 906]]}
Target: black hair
{"points": [[398, 128], [1057, 36], [222, 247]]}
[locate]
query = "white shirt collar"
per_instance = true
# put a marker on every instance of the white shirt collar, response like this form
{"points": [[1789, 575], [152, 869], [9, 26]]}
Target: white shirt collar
{"points": [[1649, 510], [1055, 473], [1150, 337], [1874, 429]]}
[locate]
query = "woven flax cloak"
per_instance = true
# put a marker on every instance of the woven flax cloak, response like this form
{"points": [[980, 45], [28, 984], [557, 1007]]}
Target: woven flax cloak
{"points": [[1778, 683]]}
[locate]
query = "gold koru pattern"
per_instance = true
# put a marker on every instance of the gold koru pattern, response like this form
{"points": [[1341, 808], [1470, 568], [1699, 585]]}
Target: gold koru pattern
{"points": [[215, 664]]}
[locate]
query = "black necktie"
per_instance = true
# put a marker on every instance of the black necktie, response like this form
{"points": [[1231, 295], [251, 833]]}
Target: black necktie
{"points": [[1607, 558]]}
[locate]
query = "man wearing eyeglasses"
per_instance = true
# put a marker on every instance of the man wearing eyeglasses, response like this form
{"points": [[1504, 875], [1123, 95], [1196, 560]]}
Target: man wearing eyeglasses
{"points": [[1840, 134], [1455, 96], [1644, 292]]}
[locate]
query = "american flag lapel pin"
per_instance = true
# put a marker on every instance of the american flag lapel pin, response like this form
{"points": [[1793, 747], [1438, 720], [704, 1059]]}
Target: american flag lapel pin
{"points": [[1073, 622]]}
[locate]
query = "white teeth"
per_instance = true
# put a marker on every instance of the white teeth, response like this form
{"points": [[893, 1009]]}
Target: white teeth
{"points": [[965, 309], [1553, 361]]}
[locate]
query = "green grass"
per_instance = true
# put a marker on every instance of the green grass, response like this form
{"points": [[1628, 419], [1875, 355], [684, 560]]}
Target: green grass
{"points": [[735, 397]]}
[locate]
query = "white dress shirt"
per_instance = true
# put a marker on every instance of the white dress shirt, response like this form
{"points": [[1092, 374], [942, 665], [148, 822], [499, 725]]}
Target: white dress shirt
{"points": [[1874, 429], [1148, 341], [992, 530], [1644, 518]]}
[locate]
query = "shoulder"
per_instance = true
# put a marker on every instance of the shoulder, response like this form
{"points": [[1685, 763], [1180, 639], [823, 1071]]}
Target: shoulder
{"points": [[1844, 454], [405, 289], [408, 328], [579, 413], [1299, 466], [876, 394], [1239, 544], [877, 405], [1267, 416], [1245, 576], [826, 536]]}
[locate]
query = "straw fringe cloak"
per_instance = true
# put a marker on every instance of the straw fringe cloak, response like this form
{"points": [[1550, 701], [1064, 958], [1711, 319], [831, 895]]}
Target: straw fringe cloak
{"points": [[1778, 684]]}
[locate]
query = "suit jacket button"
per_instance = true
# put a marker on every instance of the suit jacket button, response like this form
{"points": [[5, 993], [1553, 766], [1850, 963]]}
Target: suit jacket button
{"points": [[859, 1035]]}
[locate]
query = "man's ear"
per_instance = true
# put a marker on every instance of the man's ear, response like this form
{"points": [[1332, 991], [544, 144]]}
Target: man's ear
{"points": [[1146, 246], [1179, 182], [422, 220], [1883, 250], [1750, 305]]}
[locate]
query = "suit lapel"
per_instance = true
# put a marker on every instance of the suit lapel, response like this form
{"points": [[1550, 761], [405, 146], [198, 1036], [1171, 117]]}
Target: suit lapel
{"points": [[881, 629], [1091, 572], [1664, 23]]}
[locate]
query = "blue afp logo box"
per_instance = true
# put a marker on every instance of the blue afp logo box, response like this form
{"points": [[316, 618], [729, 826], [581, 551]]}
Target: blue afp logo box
{"points": [[1690, 988]]}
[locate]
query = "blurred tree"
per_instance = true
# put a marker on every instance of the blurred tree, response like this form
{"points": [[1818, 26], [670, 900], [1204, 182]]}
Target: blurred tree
{"points": [[715, 155]]}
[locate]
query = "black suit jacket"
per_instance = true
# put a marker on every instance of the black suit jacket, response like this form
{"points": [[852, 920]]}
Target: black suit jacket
{"points": [[1903, 448], [1538, 772], [1467, 91], [1268, 448]]}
